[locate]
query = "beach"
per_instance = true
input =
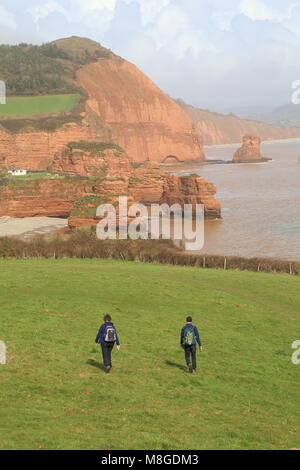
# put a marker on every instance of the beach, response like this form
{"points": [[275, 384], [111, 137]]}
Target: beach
{"points": [[37, 225]]}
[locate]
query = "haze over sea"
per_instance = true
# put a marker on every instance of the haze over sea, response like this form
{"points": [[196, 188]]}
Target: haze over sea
{"points": [[260, 202]]}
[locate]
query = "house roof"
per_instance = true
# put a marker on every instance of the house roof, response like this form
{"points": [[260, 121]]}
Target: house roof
{"points": [[16, 169]]}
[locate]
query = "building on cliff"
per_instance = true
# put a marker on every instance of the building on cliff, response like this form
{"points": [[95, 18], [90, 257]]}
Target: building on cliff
{"points": [[16, 172]]}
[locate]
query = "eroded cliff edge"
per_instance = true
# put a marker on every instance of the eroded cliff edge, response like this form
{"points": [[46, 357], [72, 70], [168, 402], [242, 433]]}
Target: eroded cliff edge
{"points": [[90, 178]]}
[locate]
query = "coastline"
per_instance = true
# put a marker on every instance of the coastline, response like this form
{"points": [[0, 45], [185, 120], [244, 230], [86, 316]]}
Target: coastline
{"points": [[276, 141], [215, 162], [10, 227]]}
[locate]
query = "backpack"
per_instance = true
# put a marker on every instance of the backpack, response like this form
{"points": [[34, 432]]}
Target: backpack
{"points": [[110, 335], [189, 336]]}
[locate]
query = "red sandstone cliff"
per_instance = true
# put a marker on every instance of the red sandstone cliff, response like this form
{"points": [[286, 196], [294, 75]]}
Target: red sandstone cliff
{"points": [[228, 129], [77, 197], [147, 123], [124, 107]]}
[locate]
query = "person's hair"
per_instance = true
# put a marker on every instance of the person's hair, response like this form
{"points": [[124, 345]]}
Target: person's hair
{"points": [[107, 318], [189, 319]]}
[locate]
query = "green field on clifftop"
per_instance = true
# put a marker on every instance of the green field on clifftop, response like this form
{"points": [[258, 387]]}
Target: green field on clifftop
{"points": [[55, 395], [35, 105]]}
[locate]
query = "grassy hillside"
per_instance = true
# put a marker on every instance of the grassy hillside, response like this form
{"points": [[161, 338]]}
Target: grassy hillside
{"points": [[44, 71], [47, 69], [30, 106], [55, 395]]}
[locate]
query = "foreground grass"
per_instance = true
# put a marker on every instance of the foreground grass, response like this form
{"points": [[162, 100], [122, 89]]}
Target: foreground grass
{"points": [[33, 105], [54, 394]]}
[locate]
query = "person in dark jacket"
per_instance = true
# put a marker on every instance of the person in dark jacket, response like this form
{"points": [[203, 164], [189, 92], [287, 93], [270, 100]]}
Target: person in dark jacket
{"points": [[188, 340], [107, 337]]}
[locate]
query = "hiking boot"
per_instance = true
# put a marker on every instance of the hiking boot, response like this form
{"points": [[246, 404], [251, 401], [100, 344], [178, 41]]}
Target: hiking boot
{"points": [[190, 368], [108, 369]]}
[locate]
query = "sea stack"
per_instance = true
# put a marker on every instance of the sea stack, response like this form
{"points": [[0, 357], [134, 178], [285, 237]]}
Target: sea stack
{"points": [[249, 151]]}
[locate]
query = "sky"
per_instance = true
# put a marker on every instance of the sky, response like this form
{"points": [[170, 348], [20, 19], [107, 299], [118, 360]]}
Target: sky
{"points": [[214, 54]]}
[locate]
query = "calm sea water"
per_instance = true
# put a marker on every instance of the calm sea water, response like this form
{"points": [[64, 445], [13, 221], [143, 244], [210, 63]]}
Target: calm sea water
{"points": [[260, 203]]}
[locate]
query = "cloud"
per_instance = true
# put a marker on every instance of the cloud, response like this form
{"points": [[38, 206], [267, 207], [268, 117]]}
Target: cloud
{"points": [[45, 9], [222, 19], [258, 10], [150, 9], [7, 19], [209, 52], [93, 5]]}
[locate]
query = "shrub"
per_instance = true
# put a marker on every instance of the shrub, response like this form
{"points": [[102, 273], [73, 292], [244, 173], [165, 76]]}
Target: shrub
{"points": [[96, 148], [84, 244]]}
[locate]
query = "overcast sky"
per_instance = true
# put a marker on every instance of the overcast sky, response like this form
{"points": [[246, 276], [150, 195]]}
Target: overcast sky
{"points": [[214, 54]]}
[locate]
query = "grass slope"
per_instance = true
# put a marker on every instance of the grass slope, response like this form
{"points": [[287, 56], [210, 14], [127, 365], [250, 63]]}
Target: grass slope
{"points": [[34, 105], [54, 394]]}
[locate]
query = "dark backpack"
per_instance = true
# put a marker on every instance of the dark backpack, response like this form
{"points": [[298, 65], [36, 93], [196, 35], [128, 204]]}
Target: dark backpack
{"points": [[189, 336], [110, 335]]}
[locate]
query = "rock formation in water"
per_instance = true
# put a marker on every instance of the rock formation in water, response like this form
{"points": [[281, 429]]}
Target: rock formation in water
{"points": [[96, 176], [250, 151]]}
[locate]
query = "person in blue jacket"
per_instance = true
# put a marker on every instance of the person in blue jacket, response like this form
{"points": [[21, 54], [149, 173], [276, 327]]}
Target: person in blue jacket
{"points": [[107, 337], [188, 340]]}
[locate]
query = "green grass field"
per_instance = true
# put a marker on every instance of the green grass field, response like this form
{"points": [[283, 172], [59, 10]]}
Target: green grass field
{"points": [[55, 395], [35, 105]]}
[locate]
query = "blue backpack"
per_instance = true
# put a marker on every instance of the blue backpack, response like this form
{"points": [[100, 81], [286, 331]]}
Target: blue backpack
{"points": [[189, 336]]}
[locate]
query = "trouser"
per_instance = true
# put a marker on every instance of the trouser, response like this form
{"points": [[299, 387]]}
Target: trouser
{"points": [[190, 351], [106, 353]]}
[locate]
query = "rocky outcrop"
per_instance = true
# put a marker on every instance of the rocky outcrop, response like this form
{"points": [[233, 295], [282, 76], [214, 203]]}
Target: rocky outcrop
{"points": [[77, 197], [250, 151], [217, 128]]}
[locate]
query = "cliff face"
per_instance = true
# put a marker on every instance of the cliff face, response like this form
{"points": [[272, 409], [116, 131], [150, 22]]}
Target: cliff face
{"points": [[147, 123], [124, 107], [34, 150], [228, 129], [77, 197]]}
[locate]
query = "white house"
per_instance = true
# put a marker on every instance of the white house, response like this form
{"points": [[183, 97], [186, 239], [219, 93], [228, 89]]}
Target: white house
{"points": [[16, 172]]}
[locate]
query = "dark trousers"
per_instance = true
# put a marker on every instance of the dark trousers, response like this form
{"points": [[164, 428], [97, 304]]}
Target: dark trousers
{"points": [[106, 353], [190, 351]]}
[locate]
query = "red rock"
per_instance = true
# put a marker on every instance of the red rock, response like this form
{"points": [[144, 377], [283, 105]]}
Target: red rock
{"points": [[250, 150], [125, 107], [217, 128], [145, 121], [59, 197]]}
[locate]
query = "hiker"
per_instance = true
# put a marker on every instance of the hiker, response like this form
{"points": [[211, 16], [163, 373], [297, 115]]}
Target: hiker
{"points": [[107, 337], [188, 340]]}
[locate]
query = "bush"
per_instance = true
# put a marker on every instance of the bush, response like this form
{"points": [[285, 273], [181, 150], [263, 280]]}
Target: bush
{"points": [[96, 148], [83, 244]]}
